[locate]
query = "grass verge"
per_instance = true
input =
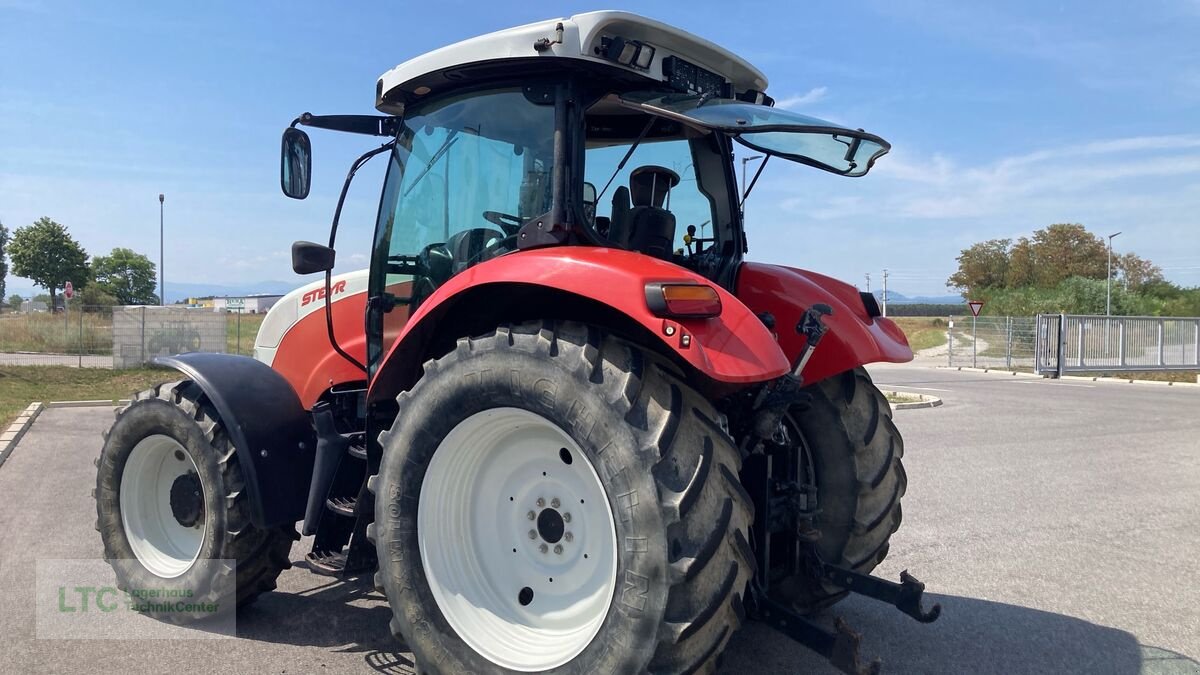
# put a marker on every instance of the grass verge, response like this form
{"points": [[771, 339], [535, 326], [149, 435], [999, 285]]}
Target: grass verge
{"points": [[923, 332], [894, 397], [1154, 375], [22, 385]]}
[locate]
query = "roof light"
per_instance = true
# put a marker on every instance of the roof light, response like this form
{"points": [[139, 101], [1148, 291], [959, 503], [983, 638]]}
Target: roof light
{"points": [[683, 300], [645, 55], [627, 52]]}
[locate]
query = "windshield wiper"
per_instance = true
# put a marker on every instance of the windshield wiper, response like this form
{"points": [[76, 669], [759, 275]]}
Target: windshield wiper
{"points": [[628, 154], [445, 147]]}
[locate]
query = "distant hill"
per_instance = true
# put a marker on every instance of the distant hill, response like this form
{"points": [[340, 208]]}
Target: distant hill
{"points": [[895, 298]]}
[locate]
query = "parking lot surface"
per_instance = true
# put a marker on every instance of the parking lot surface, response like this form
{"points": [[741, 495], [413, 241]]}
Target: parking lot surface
{"points": [[1056, 523]]}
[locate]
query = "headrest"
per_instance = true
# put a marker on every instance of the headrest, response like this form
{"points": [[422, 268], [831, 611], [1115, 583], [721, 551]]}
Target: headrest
{"points": [[649, 185]]}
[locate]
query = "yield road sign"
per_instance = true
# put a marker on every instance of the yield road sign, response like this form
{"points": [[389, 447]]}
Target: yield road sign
{"points": [[975, 306]]}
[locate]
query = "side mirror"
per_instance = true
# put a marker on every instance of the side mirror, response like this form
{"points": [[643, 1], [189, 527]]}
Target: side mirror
{"points": [[295, 164], [589, 203], [308, 257]]}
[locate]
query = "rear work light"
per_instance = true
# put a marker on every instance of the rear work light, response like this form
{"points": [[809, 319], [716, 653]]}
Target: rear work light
{"points": [[683, 301]]}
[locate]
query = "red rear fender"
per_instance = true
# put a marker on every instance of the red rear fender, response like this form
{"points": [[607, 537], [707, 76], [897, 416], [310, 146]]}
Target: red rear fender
{"points": [[854, 337], [733, 348]]}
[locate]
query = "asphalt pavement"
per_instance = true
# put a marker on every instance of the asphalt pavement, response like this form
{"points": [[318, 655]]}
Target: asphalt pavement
{"points": [[1056, 523]]}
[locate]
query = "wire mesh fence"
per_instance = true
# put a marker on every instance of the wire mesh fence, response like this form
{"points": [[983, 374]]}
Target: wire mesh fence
{"points": [[992, 342], [121, 337]]}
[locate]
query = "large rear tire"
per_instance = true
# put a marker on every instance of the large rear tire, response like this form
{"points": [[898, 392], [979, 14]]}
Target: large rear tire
{"points": [[847, 439], [172, 509], [490, 442]]}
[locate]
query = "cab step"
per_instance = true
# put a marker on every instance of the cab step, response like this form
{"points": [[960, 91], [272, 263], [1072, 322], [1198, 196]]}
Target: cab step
{"points": [[343, 506], [328, 563]]}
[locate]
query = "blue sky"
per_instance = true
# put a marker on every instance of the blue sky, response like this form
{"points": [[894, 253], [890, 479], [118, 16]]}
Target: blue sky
{"points": [[1004, 117]]}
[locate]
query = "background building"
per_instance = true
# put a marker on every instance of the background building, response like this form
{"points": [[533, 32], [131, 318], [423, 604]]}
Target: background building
{"points": [[246, 304]]}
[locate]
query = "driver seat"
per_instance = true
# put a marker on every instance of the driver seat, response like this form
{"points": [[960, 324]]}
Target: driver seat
{"points": [[650, 225], [467, 248]]}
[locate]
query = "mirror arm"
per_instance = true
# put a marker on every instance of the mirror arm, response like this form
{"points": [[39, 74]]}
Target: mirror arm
{"points": [[337, 216], [370, 125]]}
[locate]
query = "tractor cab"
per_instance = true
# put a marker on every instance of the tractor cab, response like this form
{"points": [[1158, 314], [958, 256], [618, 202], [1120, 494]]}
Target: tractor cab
{"points": [[606, 129]]}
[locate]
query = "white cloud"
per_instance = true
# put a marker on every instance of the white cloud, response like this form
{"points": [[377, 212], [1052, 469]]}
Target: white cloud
{"points": [[807, 98], [923, 209]]}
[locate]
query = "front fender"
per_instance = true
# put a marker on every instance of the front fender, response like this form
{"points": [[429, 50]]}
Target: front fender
{"points": [[733, 348], [855, 338], [267, 426]]}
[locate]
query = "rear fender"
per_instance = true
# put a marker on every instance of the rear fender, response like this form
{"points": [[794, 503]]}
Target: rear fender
{"points": [[269, 429], [599, 285], [855, 338]]}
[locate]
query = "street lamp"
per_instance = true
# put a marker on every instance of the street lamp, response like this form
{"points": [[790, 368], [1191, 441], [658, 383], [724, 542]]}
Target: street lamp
{"points": [[162, 272], [745, 160], [1108, 284]]}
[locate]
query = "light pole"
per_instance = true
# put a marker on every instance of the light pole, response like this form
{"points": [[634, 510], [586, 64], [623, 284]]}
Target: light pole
{"points": [[745, 160], [162, 272], [1108, 284]]}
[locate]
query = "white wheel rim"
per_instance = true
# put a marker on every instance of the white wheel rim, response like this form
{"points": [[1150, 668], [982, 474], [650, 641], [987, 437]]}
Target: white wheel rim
{"points": [[484, 481], [161, 543]]}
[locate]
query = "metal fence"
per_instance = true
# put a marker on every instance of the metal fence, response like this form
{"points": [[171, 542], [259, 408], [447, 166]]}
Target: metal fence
{"points": [[121, 337], [1076, 343], [991, 341]]}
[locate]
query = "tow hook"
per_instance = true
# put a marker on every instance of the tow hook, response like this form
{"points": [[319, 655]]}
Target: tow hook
{"points": [[905, 596]]}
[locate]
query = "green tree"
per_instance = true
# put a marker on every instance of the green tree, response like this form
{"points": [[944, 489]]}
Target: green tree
{"points": [[47, 254], [1135, 272], [1066, 250], [96, 296], [15, 301], [3, 260], [127, 276], [1022, 264], [984, 265]]}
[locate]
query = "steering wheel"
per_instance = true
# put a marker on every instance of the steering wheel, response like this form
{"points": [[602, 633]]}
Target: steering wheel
{"points": [[507, 222], [490, 250]]}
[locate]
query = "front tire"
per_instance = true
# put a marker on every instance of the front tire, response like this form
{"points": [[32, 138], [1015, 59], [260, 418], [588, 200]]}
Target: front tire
{"points": [[637, 456], [172, 510]]}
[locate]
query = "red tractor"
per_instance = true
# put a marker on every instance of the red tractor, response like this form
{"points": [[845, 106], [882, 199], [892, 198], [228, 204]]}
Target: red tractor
{"points": [[564, 421]]}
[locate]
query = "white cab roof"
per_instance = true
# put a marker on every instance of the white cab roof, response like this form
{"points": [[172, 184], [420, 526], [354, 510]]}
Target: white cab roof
{"points": [[581, 38]]}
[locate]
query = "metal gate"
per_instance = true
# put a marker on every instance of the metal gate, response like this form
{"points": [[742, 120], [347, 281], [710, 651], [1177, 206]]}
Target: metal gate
{"points": [[1077, 343]]}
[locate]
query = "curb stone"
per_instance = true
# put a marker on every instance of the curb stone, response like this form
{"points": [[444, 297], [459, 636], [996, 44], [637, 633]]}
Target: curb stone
{"points": [[10, 436], [926, 401]]}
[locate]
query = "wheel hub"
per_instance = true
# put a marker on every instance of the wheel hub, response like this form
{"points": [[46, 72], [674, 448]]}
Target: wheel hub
{"points": [[550, 526], [187, 499]]}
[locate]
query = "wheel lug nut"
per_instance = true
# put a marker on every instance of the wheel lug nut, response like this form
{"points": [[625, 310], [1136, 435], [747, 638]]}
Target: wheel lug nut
{"points": [[558, 549], [555, 503], [569, 537], [566, 517], [541, 502], [531, 515], [533, 534], [543, 548]]}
